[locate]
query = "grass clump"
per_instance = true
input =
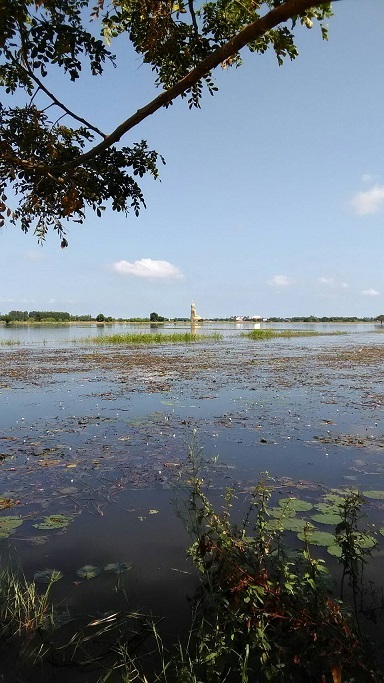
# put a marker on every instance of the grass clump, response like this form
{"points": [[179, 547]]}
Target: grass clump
{"points": [[25, 613], [146, 339], [276, 334]]}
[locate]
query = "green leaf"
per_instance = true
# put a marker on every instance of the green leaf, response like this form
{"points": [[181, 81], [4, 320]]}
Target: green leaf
{"points": [[334, 550], [327, 518], [54, 522], [317, 537], [295, 504], [47, 576], [89, 571], [8, 524], [375, 495], [118, 567]]}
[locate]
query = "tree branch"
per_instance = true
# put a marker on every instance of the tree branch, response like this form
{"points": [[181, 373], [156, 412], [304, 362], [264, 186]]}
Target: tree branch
{"points": [[62, 106], [255, 30], [27, 70]]}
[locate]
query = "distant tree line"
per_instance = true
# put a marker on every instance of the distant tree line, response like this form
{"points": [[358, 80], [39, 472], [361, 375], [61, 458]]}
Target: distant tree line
{"points": [[44, 316], [65, 317], [323, 319]]}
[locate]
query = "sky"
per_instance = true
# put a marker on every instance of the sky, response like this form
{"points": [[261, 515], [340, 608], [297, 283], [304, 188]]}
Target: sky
{"points": [[271, 201]]}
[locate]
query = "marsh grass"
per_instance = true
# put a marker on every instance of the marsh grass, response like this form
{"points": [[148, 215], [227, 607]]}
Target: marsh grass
{"points": [[147, 339], [24, 614], [276, 334], [10, 342]]}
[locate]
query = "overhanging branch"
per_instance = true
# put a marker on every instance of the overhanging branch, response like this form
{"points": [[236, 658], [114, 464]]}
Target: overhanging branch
{"points": [[250, 33]]}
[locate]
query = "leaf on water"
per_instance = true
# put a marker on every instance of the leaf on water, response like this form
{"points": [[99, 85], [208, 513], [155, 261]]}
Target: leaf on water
{"points": [[334, 550], [328, 508], [317, 537], [8, 524], [279, 513], [327, 518], [381, 530], [89, 571], [118, 567], [153, 512], [54, 522], [295, 504], [375, 495], [294, 524], [47, 576], [7, 503]]}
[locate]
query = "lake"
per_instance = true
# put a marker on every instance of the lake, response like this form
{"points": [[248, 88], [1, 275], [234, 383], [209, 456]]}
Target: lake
{"points": [[94, 442]]}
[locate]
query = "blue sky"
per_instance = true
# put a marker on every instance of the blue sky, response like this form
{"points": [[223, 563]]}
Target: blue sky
{"points": [[271, 201]]}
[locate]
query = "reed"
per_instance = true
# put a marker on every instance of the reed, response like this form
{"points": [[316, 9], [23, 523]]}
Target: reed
{"points": [[276, 334], [148, 339]]}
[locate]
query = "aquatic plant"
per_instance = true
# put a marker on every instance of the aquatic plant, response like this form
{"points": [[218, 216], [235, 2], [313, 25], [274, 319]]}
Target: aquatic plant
{"points": [[142, 338], [24, 611], [268, 333], [265, 612]]}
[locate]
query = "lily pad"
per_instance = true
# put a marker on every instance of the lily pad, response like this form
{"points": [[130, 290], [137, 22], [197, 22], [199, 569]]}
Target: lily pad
{"points": [[294, 524], [47, 576], [375, 495], [89, 571], [8, 524], [334, 550], [328, 508], [327, 518], [317, 537], [295, 504], [279, 513], [118, 567], [54, 522]]}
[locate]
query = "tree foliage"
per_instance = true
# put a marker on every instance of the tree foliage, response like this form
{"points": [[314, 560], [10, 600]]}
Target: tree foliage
{"points": [[53, 162]]}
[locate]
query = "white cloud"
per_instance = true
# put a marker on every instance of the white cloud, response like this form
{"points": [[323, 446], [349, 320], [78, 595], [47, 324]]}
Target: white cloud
{"points": [[370, 201], [331, 282], [5, 300], [370, 292], [148, 268], [280, 281], [34, 256]]}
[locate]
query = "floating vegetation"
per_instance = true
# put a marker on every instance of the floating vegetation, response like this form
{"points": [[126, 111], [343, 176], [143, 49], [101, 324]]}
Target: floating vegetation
{"points": [[47, 576], [315, 537], [54, 522], [142, 338], [273, 334], [118, 567], [89, 571], [329, 518], [295, 504], [8, 525], [375, 495]]}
